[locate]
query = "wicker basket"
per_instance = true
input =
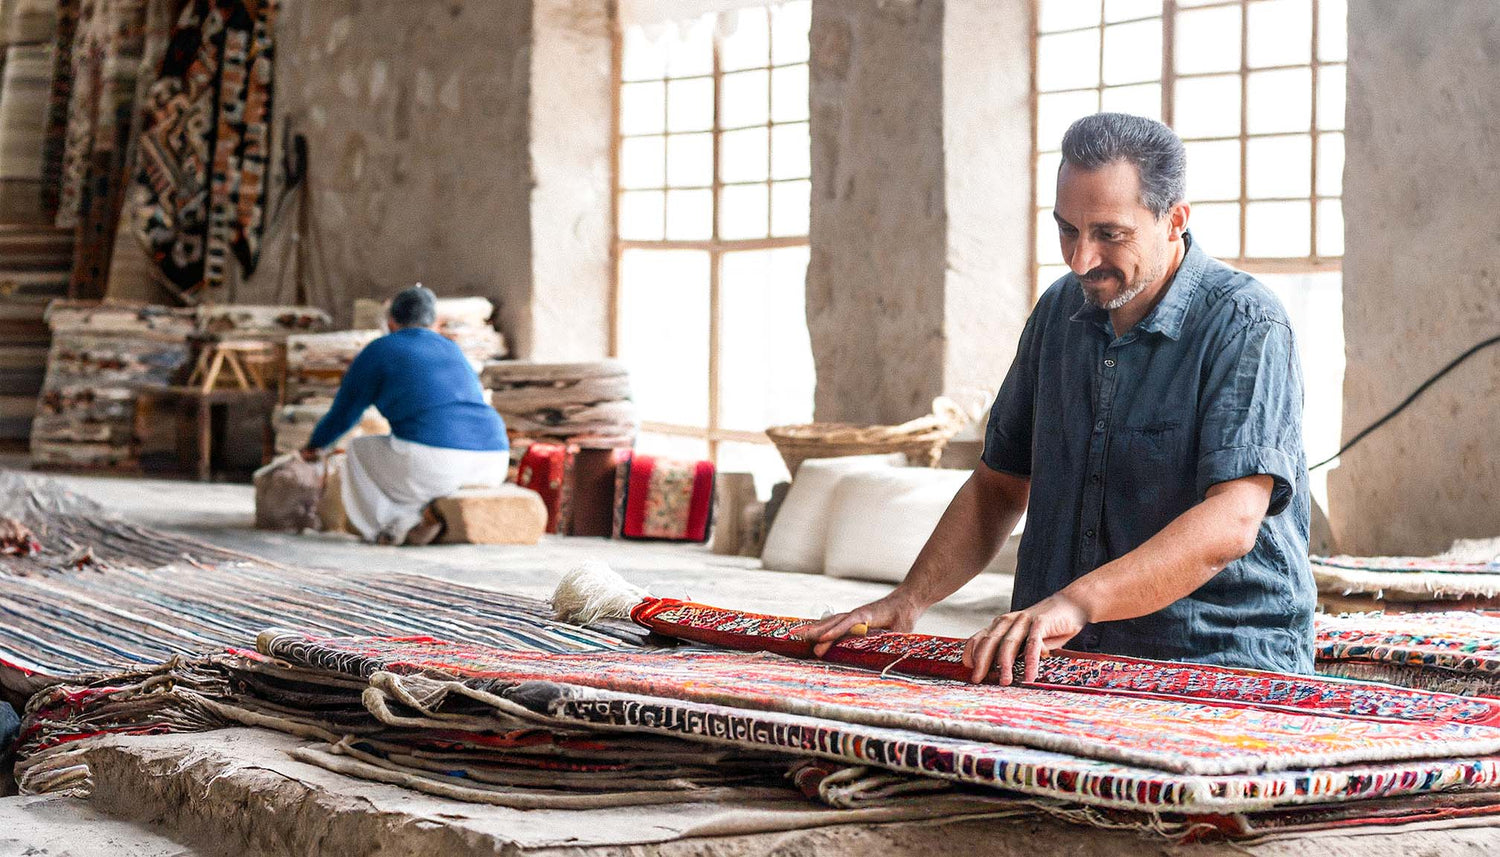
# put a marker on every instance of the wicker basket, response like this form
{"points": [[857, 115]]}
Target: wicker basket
{"points": [[922, 439]]}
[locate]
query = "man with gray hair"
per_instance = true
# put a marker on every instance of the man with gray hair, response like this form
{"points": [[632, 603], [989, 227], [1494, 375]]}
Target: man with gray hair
{"points": [[1150, 428], [444, 434]]}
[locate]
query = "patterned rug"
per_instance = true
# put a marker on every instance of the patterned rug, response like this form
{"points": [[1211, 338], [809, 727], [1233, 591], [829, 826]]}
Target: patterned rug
{"points": [[1407, 578], [1452, 652]]}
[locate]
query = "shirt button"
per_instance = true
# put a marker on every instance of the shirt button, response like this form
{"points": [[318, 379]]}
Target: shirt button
{"points": [[1094, 479], [1099, 426], [1109, 363], [1088, 534]]}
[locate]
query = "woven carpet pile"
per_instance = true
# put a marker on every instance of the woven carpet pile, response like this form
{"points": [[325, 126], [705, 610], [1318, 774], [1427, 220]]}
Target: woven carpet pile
{"points": [[1452, 652], [480, 696], [1467, 575]]}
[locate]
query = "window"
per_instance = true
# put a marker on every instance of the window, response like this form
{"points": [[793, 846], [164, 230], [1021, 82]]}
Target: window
{"points": [[713, 200], [1255, 88]]}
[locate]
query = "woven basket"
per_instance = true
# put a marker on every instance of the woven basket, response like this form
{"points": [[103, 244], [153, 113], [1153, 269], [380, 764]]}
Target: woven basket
{"points": [[922, 439]]}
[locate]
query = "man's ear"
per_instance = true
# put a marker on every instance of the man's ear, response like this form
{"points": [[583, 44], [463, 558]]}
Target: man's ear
{"points": [[1177, 220]]}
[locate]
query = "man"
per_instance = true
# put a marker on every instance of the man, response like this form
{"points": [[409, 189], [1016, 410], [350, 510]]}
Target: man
{"points": [[1150, 426], [444, 434]]}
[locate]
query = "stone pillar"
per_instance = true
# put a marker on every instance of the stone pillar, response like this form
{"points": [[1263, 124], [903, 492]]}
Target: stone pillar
{"points": [[463, 144], [1421, 279], [919, 281]]}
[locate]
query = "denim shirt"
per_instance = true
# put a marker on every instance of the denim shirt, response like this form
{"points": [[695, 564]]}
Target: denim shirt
{"points": [[1120, 435]]}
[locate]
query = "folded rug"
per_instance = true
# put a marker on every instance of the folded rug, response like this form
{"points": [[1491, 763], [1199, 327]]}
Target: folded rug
{"points": [[1452, 652]]}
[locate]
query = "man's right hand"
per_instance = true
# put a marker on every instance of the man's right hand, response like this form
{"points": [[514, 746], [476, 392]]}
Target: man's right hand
{"points": [[891, 613]]}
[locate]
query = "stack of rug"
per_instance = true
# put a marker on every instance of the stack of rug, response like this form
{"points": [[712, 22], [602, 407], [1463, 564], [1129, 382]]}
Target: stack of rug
{"points": [[315, 366], [34, 264], [1465, 577], [587, 405], [1453, 652], [466, 321], [30, 29], [101, 355]]}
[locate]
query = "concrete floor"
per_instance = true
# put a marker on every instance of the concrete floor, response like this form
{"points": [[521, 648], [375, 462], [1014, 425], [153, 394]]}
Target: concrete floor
{"points": [[240, 792]]}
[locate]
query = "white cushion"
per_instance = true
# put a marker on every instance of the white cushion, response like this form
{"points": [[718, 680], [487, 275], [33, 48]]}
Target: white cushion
{"points": [[880, 520], [799, 535]]}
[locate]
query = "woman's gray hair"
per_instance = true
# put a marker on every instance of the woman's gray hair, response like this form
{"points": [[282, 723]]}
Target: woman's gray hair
{"points": [[1156, 151], [414, 307]]}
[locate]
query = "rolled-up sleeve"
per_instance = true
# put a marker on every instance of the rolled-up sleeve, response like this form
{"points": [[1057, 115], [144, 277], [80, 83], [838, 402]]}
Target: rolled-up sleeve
{"points": [[1007, 438], [1252, 412]]}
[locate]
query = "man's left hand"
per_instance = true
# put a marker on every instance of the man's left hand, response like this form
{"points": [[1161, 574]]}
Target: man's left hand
{"points": [[1040, 628]]}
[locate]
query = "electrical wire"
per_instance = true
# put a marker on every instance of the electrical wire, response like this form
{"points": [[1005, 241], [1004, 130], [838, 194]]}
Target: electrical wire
{"points": [[1408, 400]]}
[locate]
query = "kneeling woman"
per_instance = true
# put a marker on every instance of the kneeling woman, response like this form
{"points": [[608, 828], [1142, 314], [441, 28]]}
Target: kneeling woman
{"points": [[444, 434]]}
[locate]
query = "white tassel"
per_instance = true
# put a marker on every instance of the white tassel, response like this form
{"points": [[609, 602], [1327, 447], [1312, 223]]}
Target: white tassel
{"points": [[593, 591]]}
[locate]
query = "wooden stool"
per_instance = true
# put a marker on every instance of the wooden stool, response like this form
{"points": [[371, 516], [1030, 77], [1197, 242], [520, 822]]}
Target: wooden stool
{"points": [[193, 406], [250, 360]]}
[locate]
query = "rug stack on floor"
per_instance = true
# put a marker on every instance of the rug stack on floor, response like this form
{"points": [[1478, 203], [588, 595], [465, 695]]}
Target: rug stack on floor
{"points": [[315, 365], [587, 405], [466, 321], [101, 355], [30, 28], [1453, 652], [34, 265], [1466, 577]]}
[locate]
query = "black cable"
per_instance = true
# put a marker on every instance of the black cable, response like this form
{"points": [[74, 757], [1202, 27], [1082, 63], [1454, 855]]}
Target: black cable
{"points": [[1409, 399]]}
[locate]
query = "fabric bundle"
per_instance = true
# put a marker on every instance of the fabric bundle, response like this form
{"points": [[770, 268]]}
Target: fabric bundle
{"points": [[663, 499], [1451, 652], [465, 320], [199, 198], [585, 404], [1466, 577]]}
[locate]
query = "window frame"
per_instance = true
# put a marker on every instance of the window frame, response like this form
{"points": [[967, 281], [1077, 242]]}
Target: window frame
{"points": [[1310, 263], [713, 433]]}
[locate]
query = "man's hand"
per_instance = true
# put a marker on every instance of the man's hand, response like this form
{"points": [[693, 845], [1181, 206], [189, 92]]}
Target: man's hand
{"points": [[1040, 628], [308, 454], [891, 613]]}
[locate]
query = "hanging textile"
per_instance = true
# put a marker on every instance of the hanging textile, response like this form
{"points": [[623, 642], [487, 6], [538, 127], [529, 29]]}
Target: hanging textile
{"points": [[54, 134], [203, 157]]}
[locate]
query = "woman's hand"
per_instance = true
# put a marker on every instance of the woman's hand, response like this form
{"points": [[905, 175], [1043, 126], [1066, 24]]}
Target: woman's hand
{"points": [[892, 613], [1040, 628]]}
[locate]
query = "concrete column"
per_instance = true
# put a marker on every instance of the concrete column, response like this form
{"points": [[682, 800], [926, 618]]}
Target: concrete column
{"points": [[919, 281], [464, 144], [1421, 278]]}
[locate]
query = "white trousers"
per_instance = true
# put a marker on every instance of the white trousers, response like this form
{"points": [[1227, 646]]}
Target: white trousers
{"points": [[387, 481]]}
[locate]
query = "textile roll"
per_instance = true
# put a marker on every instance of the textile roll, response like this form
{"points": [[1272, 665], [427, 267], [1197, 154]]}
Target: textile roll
{"points": [[542, 470], [586, 404], [264, 322], [663, 499], [55, 133], [24, 91], [465, 321]]}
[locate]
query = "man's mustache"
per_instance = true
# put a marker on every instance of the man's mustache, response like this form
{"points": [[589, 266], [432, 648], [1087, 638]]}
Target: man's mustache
{"points": [[1100, 274]]}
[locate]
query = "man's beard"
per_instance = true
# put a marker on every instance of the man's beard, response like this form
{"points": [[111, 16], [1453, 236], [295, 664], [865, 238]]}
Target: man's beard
{"points": [[1131, 292]]}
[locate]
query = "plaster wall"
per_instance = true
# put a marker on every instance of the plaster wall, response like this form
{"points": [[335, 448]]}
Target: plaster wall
{"points": [[1421, 275], [438, 154], [921, 135]]}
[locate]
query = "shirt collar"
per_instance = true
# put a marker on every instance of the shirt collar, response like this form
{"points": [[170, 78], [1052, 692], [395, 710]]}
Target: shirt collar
{"points": [[1170, 314]]}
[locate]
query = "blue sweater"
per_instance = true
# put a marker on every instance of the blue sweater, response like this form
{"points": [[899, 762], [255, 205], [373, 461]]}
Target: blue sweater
{"points": [[424, 386]]}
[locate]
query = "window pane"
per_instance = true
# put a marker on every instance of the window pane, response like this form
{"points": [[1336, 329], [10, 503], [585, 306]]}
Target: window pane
{"points": [[690, 105], [1207, 40], [690, 51], [1279, 101], [1125, 10], [1067, 61], [690, 160], [1331, 97], [1049, 274], [1314, 305], [1330, 164], [643, 108], [1213, 171], [672, 446], [1142, 99], [1217, 228], [643, 162], [664, 333], [641, 214], [1067, 14], [791, 208], [1132, 52], [1277, 229], [744, 99], [790, 23], [765, 363], [1280, 33], [643, 58], [760, 460], [789, 94], [1278, 167], [1048, 247], [1330, 227], [690, 215], [1208, 107], [1333, 35], [791, 151], [743, 211], [1054, 113], [743, 155], [748, 44], [1046, 178]]}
